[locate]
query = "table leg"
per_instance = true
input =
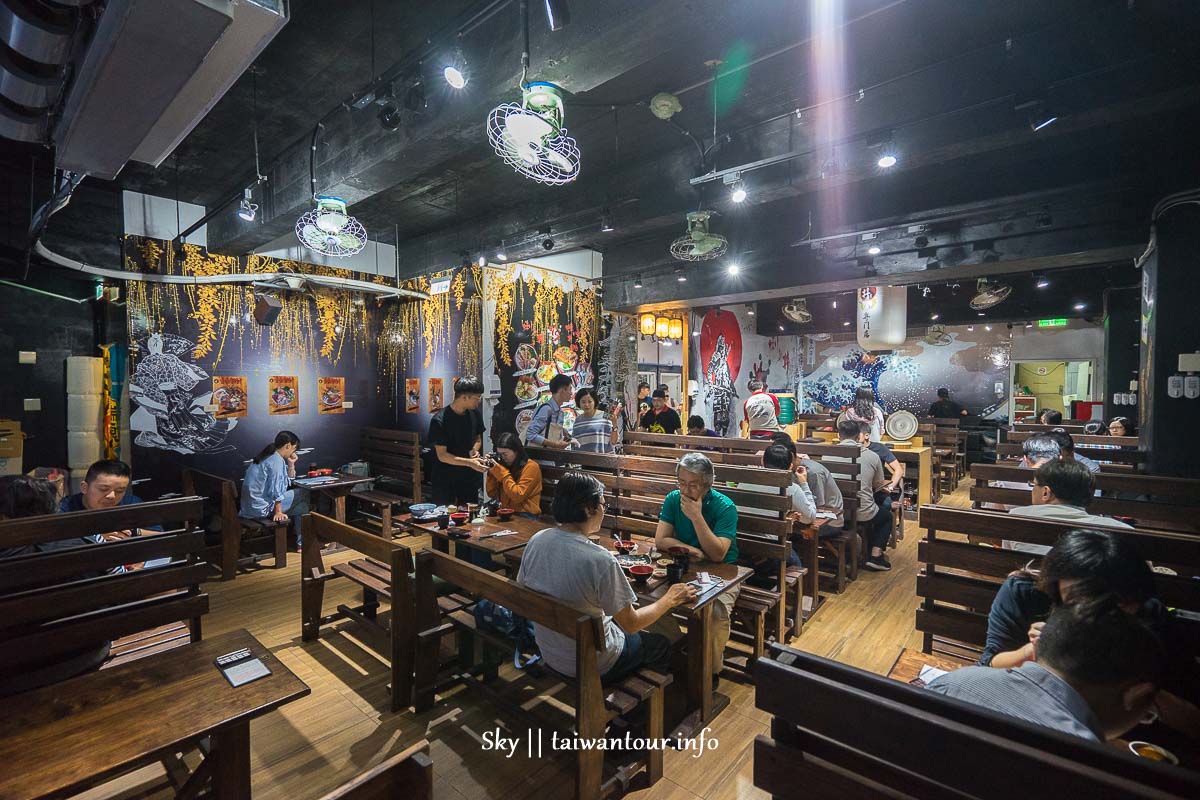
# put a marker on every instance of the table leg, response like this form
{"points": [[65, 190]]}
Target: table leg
{"points": [[231, 762], [812, 557], [699, 643], [339, 508]]}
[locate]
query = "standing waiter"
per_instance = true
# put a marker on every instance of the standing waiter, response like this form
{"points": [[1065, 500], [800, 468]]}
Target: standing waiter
{"points": [[456, 434]]}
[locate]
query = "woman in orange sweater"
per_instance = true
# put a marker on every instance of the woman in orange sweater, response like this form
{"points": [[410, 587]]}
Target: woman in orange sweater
{"points": [[514, 479]]}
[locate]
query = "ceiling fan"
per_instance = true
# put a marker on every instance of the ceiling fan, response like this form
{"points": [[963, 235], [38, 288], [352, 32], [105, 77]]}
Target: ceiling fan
{"points": [[797, 311], [698, 244], [936, 335], [989, 294], [330, 230]]}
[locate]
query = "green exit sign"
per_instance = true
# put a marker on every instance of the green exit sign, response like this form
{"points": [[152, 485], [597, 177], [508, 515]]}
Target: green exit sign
{"points": [[1052, 323]]}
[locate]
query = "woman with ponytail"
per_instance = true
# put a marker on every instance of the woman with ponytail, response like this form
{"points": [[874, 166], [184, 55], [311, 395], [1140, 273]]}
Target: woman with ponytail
{"points": [[865, 409], [266, 489]]}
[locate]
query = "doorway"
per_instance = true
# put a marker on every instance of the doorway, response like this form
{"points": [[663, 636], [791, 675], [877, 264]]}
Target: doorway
{"points": [[1040, 385]]}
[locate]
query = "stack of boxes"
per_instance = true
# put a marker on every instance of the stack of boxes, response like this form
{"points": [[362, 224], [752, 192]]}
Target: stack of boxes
{"points": [[85, 411]]}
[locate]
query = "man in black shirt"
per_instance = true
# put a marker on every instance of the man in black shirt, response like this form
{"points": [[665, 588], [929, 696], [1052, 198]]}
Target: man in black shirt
{"points": [[456, 434], [945, 408], [660, 418]]}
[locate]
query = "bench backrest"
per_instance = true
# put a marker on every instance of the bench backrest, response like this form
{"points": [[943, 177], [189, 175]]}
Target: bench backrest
{"points": [[955, 606], [920, 744], [1127, 457], [1072, 426], [1082, 440], [56, 601], [396, 457], [1159, 503], [408, 774], [223, 493]]}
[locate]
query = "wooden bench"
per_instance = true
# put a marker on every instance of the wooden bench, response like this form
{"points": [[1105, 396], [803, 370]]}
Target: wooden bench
{"points": [[960, 579], [408, 774], [1075, 427], [596, 705], [222, 499], [637, 487], [839, 732], [1172, 504], [1117, 460], [383, 573], [395, 459], [61, 601]]}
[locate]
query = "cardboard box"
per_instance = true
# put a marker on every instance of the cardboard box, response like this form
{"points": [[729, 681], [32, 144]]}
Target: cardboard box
{"points": [[12, 442]]}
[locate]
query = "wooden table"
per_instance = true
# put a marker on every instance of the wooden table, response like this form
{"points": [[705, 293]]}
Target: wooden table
{"points": [[703, 703], [479, 534], [809, 539], [59, 740], [908, 664], [922, 457], [336, 490]]}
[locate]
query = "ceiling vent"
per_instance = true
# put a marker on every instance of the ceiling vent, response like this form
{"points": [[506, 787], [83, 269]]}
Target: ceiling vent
{"points": [[35, 41]]}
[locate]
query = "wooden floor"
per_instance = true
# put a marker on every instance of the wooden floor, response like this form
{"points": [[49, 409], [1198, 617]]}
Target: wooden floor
{"points": [[343, 728]]}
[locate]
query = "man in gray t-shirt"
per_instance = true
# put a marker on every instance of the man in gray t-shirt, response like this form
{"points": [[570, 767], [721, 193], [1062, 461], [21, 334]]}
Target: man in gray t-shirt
{"points": [[825, 491], [583, 574]]}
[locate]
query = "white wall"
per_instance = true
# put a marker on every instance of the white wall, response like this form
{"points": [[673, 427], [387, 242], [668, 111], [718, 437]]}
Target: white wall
{"points": [[374, 259], [147, 215], [1079, 341]]}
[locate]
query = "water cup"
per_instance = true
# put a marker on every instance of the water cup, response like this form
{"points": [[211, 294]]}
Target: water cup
{"points": [[443, 521]]}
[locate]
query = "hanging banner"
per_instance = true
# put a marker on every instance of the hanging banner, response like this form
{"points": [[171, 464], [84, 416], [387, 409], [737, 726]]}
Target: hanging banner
{"points": [[882, 316], [115, 356], [229, 396], [412, 395], [331, 393], [283, 395], [435, 395]]}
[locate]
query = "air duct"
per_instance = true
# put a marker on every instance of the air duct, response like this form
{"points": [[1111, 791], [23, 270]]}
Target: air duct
{"points": [[35, 41]]}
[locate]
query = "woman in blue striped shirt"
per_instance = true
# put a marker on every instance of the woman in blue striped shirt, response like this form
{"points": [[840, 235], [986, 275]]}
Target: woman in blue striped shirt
{"points": [[267, 491], [594, 430]]}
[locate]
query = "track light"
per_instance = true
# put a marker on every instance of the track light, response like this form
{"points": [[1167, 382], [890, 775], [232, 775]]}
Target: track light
{"points": [[738, 191], [681, 276], [1042, 281], [637, 282], [782, 328], [1080, 306], [1043, 120], [954, 289], [926, 292], [733, 269], [970, 328], [835, 303], [247, 209], [934, 317], [558, 16], [455, 71], [1028, 324], [389, 117], [887, 161], [501, 255], [606, 223], [846, 324], [749, 309], [414, 98], [483, 262], [987, 327], [873, 250]]}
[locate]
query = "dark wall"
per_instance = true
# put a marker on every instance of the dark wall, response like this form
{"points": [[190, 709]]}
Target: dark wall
{"points": [[1121, 351], [54, 329], [1168, 426]]}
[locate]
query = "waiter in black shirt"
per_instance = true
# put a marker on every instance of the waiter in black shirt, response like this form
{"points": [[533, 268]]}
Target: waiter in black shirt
{"points": [[945, 408], [456, 433], [661, 418]]}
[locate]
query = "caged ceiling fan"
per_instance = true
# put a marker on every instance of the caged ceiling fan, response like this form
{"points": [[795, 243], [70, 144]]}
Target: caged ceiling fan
{"points": [[328, 229], [936, 335], [698, 244], [797, 311], [530, 137], [989, 294]]}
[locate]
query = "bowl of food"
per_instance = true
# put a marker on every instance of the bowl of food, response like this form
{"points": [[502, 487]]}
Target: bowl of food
{"points": [[624, 546], [1152, 752], [664, 562], [459, 517], [659, 572], [421, 509], [505, 514], [641, 572]]}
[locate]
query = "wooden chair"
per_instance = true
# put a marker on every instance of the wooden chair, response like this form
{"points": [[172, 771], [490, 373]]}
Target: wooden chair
{"points": [[961, 579], [408, 775], [383, 574], [222, 494], [840, 732], [595, 705], [395, 459], [56, 602], [1159, 503]]}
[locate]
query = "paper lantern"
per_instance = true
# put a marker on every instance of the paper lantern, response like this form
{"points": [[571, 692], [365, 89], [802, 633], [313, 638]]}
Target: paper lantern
{"points": [[882, 317], [647, 324], [676, 329], [662, 328]]}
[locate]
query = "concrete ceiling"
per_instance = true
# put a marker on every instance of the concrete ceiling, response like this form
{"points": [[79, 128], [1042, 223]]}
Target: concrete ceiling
{"points": [[940, 80]]}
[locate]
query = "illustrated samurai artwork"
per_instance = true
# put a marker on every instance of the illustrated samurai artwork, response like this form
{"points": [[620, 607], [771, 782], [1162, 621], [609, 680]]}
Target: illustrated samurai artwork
{"points": [[720, 388], [169, 415]]}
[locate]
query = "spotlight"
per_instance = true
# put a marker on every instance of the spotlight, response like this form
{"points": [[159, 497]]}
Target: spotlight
{"points": [[1040, 121], [873, 250], [982, 314], [246, 209], [835, 303], [501, 255], [337, 329], [558, 16], [681, 276], [934, 316], [483, 262], [637, 282], [970, 327], [389, 117], [1042, 282], [846, 323], [547, 244], [886, 161], [454, 76], [1028, 324], [606, 223], [738, 191], [696, 332], [1080, 306], [781, 328], [954, 289], [987, 327], [733, 269], [749, 310]]}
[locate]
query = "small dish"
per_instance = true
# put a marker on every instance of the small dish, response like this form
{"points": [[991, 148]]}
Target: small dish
{"points": [[1152, 752], [660, 572], [505, 514], [625, 546], [459, 518], [594, 538], [664, 562], [640, 572]]}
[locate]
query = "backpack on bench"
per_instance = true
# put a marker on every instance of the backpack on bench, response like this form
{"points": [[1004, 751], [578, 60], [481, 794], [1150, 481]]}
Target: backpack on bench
{"points": [[497, 619]]}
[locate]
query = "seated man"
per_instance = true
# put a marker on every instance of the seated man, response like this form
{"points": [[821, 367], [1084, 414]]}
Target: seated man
{"points": [[894, 467], [106, 485], [1036, 450], [696, 427], [1097, 672], [803, 510], [876, 527], [1062, 491], [826, 494], [1049, 416], [704, 521], [1067, 445]]}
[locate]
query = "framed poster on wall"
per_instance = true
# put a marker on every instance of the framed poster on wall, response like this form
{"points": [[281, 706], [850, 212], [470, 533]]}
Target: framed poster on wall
{"points": [[435, 395], [331, 394], [229, 396], [412, 395], [283, 395]]}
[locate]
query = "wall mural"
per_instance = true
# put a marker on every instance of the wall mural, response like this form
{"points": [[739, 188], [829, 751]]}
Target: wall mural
{"points": [[721, 360], [616, 362]]}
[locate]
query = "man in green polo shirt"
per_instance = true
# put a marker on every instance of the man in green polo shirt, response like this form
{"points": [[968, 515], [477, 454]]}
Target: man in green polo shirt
{"points": [[704, 521]]}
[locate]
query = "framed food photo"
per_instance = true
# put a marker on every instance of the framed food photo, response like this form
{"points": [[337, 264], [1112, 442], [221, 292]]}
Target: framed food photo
{"points": [[230, 396], [283, 395], [435, 395], [331, 395], [412, 395]]}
